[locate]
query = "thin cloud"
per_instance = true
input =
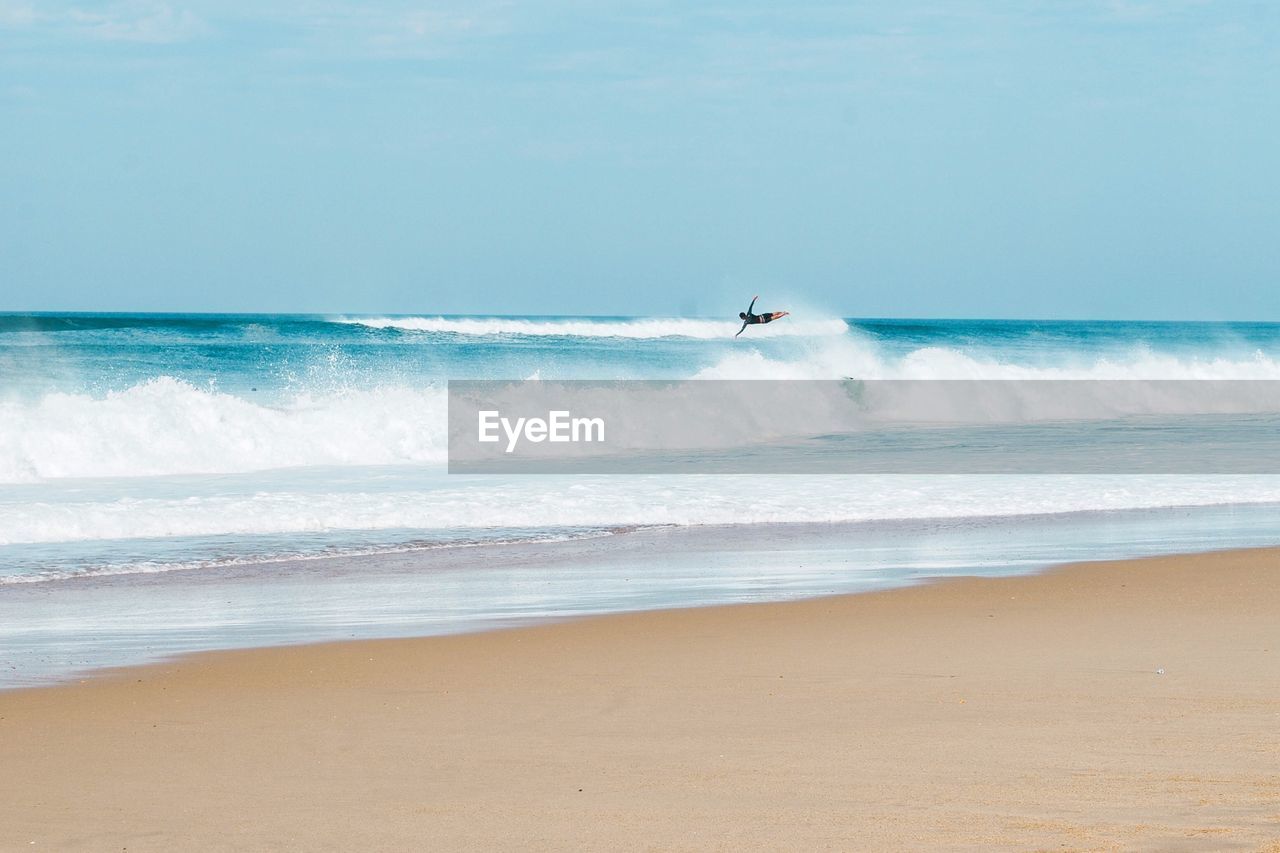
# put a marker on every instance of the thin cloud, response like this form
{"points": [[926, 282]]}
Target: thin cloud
{"points": [[434, 32], [150, 24], [154, 23], [15, 15]]}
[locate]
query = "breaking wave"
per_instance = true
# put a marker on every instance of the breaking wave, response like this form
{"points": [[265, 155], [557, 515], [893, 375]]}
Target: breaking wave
{"points": [[656, 327], [854, 357], [169, 426]]}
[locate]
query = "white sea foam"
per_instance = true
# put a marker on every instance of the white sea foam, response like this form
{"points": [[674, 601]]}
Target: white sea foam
{"points": [[611, 502], [167, 426], [656, 327], [857, 357], [145, 567]]}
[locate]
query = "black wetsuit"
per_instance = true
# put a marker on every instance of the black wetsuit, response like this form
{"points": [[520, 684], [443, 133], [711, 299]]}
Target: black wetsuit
{"points": [[750, 319]]}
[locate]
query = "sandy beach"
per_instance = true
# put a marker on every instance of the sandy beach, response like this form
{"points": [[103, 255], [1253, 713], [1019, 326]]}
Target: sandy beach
{"points": [[1121, 705]]}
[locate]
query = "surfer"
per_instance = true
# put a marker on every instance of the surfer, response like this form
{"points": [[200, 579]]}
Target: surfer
{"points": [[750, 319]]}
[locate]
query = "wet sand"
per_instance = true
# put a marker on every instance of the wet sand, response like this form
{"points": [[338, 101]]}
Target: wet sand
{"points": [[1024, 713]]}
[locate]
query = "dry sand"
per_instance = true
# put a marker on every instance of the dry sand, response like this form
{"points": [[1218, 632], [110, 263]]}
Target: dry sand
{"points": [[1022, 712]]}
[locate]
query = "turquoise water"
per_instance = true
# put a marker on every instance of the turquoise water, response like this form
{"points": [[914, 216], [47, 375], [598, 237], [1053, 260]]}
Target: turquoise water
{"points": [[278, 356], [174, 483], [144, 443]]}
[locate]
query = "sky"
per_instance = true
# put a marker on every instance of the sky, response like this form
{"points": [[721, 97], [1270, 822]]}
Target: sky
{"points": [[1092, 159]]}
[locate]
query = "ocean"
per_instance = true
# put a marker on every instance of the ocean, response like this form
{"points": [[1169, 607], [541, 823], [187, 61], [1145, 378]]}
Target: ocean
{"points": [[144, 456]]}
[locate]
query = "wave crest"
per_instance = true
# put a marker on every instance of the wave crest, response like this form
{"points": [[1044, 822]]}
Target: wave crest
{"points": [[169, 426], [656, 327], [857, 358]]}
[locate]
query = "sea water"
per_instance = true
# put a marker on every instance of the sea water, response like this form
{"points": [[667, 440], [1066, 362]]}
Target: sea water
{"points": [[177, 447]]}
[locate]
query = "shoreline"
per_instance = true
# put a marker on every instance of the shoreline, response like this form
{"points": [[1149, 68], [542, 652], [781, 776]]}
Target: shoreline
{"points": [[1017, 711], [59, 630]]}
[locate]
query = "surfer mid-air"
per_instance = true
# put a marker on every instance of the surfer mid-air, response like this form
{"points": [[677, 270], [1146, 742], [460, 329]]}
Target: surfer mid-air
{"points": [[750, 319]]}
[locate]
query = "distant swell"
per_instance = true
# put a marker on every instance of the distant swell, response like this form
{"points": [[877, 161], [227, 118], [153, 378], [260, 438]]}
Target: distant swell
{"points": [[637, 329]]}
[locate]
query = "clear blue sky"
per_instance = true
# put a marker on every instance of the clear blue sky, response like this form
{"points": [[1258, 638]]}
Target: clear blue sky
{"points": [[1096, 158]]}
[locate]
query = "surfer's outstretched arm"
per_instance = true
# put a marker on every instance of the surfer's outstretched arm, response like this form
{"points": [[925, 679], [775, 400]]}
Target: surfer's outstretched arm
{"points": [[744, 327], [753, 303]]}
